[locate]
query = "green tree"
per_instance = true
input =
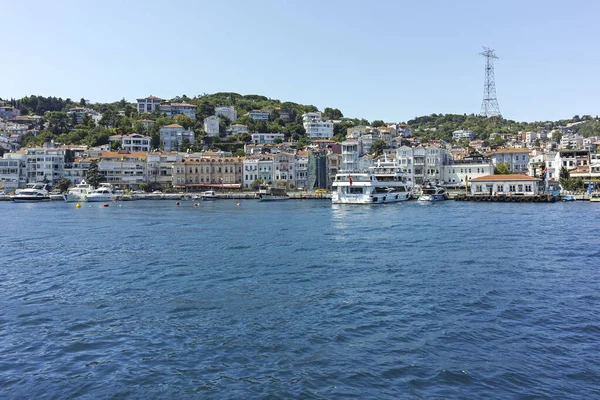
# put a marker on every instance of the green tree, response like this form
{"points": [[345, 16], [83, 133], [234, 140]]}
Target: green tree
{"points": [[255, 184], [93, 175], [239, 153], [144, 186], [332, 113], [502, 168], [377, 147], [63, 184], [564, 177], [377, 123]]}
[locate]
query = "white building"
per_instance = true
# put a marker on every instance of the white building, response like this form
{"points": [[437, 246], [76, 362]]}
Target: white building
{"points": [[133, 143], [423, 164], [227, 112], [173, 109], [315, 127], [236, 129], [463, 134], [504, 184], [13, 171], [159, 168], [250, 170], [350, 155], [470, 167], [266, 169], [283, 168], [518, 159], [211, 126], [80, 112], [148, 104], [146, 123], [267, 138], [259, 115], [571, 141], [301, 169], [171, 136]]}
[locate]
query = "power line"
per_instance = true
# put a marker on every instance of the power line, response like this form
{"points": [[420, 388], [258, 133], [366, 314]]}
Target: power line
{"points": [[489, 106]]}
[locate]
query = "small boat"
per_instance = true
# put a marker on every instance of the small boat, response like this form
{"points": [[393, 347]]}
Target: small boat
{"points": [[35, 192], [209, 195], [78, 193], [568, 197], [102, 194], [55, 195], [268, 193], [595, 197], [433, 193]]}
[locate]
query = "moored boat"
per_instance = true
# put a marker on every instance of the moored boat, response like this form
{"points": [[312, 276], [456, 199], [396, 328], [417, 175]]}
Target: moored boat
{"points": [[32, 194], [268, 193], [209, 195], [433, 193], [102, 194], [595, 197], [78, 193]]}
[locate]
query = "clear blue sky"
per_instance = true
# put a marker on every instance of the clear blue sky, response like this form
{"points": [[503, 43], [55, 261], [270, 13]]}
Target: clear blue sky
{"points": [[390, 60]]}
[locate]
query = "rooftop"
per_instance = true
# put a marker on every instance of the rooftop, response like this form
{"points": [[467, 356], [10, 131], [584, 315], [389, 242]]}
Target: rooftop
{"points": [[508, 177]]}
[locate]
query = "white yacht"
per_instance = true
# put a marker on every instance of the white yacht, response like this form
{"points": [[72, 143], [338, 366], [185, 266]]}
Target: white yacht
{"points": [[103, 193], [383, 183], [78, 193], [433, 193], [209, 195], [34, 192]]}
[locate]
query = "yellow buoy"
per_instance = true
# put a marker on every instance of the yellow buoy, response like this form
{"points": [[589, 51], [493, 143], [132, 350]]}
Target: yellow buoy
{"points": [[77, 205]]}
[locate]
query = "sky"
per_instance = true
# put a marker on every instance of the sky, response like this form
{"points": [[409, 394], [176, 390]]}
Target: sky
{"points": [[389, 60]]}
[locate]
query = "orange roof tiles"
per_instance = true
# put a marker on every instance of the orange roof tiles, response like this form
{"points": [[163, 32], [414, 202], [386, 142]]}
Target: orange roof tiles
{"points": [[509, 177]]}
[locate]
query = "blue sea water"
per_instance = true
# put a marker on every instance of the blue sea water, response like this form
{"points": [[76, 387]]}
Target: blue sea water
{"points": [[299, 299]]}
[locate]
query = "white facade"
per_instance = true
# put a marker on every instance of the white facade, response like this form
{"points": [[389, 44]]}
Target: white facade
{"points": [[159, 168], [173, 109], [211, 126], [250, 171], [301, 169], [267, 138], [458, 171], [226, 111], [518, 159], [423, 164], [463, 134], [236, 129], [171, 136], [572, 140], [133, 142], [148, 104], [283, 168], [258, 115], [265, 169], [504, 184], [315, 127], [350, 155], [13, 171]]}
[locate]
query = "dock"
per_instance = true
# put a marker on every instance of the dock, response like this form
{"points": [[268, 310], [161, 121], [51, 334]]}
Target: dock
{"points": [[502, 198]]}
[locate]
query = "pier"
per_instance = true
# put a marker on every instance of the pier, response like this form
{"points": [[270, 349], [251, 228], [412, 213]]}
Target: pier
{"points": [[502, 198]]}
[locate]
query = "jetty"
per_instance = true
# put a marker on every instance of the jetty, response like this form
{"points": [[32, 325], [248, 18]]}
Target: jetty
{"points": [[503, 198]]}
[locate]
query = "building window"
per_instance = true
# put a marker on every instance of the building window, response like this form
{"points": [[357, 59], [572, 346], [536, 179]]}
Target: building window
{"points": [[512, 188]]}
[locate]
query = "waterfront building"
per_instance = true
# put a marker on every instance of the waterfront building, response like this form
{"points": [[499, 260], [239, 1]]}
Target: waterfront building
{"points": [[250, 168], [423, 164], [350, 155], [267, 138], [173, 109], [473, 166], [518, 159], [13, 171], [301, 169], [259, 115], [333, 165], [227, 112], [122, 169], [159, 168], [171, 136], [148, 104], [133, 143], [463, 134], [211, 126], [283, 169], [513, 184], [266, 168], [197, 174]]}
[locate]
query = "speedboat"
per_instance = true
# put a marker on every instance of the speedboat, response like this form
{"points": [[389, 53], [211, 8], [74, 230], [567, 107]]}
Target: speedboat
{"points": [[209, 195], [269, 193], [595, 197], [433, 193], [55, 195], [568, 197], [35, 192], [103, 193]]}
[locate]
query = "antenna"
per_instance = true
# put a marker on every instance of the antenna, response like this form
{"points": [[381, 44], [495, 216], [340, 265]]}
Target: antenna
{"points": [[489, 106]]}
